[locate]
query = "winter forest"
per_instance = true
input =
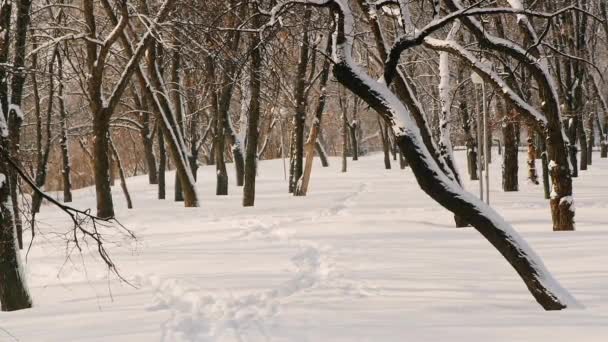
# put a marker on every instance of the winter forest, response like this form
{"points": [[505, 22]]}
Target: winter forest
{"points": [[303, 170]]}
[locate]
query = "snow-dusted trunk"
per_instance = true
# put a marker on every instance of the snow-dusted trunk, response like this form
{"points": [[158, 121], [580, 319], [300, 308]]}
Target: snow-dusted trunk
{"points": [[15, 113], [445, 97], [531, 160], [14, 294], [434, 181], [299, 118], [561, 203], [174, 88], [13, 289], [168, 124], [66, 170]]}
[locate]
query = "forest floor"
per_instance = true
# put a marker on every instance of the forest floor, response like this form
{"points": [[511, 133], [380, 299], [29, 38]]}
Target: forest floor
{"points": [[366, 256]]}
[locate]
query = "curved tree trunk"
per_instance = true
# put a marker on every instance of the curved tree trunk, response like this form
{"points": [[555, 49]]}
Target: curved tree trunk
{"points": [[432, 179]]}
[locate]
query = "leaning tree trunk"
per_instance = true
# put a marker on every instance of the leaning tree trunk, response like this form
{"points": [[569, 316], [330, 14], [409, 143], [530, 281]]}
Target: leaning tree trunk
{"points": [[433, 180], [121, 173], [302, 187], [321, 151]]}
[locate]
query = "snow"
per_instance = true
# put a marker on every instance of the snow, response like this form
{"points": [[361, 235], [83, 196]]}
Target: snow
{"points": [[3, 125], [366, 256], [16, 109]]}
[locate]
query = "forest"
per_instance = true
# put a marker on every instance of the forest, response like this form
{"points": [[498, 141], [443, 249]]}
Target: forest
{"points": [[134, 132]]}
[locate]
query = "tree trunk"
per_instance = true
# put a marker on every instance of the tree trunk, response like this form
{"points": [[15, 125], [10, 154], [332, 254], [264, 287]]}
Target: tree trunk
{"points": [[13, 290], [583, 143], [510, 166], [344, 141], [221, 188], [66, 172], [531, 161], [573, 150], [101, 162], [147, 138], [321, 152], [121, 173], [590, 138], [162, 164], [251, 153], [302, 187], [385, 144], [299, 118]]}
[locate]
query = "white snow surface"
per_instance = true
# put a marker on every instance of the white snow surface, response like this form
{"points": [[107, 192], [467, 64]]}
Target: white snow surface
{"points": [[366, 256]]}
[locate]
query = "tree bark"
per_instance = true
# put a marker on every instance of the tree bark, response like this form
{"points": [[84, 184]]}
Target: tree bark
{"points": [[299, 118], [162, 164], [531, 161], [121, 173], [14, 294], [66, 172], [311, 142], [385, 144], [510, 166], [251, 152]]}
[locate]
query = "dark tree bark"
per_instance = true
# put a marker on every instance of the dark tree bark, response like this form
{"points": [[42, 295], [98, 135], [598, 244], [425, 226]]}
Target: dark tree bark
{"points": [[385, 144], [121, 173], [162, 164], [590, 133], [299, 118], [583, 143], [13, 291], [251, 153], [431, 178], [531, 160], [15, 118], [510, 165], [64, 145], [321, 151]]}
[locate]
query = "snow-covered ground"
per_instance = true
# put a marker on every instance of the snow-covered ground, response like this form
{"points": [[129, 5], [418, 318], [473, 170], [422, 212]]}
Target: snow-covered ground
{"points": [[366, 256]]}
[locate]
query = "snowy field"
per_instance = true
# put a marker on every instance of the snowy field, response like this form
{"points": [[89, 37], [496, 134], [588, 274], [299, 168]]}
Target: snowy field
{"points": [[367, 256]]}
